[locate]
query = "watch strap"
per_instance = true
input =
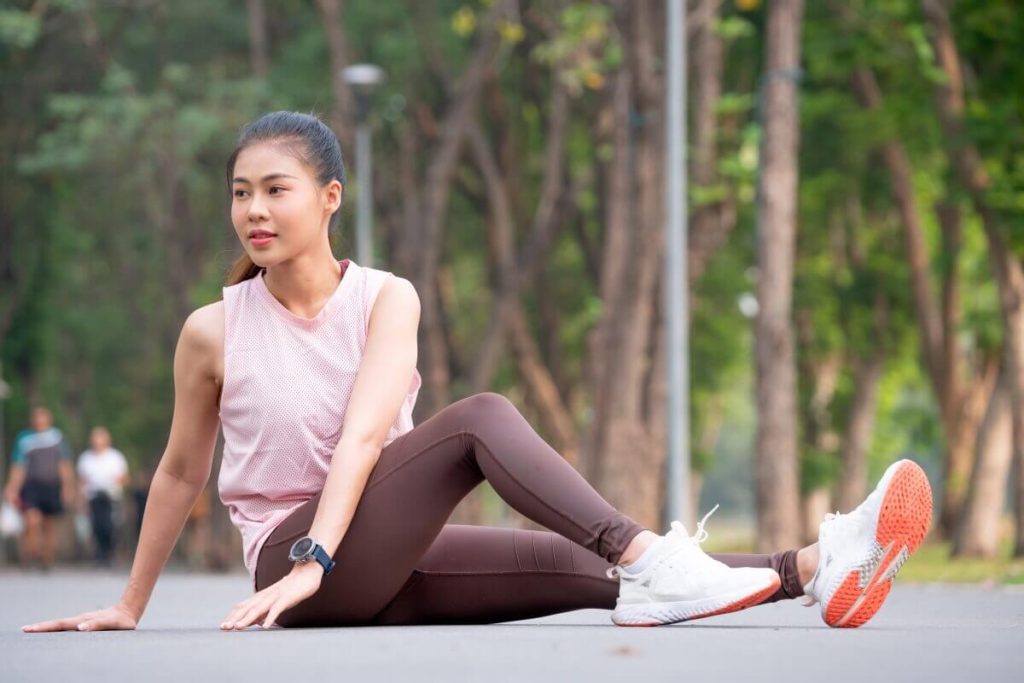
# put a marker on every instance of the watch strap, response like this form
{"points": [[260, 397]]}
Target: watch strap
{"points": [[323, 558]]}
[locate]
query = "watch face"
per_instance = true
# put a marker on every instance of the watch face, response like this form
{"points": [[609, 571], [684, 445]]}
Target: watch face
{"points": [[302, 547]]}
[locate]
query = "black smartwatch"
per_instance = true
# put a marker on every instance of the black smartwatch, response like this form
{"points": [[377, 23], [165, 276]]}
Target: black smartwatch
{"points": [[306, 549]]}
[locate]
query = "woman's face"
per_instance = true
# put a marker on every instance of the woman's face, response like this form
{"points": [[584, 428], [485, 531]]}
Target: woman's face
{"points": [[277, 207]]}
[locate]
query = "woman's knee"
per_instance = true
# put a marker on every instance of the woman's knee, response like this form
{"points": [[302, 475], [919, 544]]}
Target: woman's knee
{"points": [[477, 416], [478, 409]]}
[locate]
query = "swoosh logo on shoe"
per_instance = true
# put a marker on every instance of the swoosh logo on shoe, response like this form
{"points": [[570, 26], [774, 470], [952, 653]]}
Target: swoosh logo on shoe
{"points": [[868, 571], [868, 582], [886, 558], [894, 566]]}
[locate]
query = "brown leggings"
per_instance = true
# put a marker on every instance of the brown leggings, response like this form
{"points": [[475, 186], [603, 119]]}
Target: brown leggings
{"points": [[399, 563]]}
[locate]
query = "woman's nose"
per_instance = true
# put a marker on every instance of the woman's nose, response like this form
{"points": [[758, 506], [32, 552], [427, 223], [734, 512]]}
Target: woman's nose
{"points": [[256, 208]]}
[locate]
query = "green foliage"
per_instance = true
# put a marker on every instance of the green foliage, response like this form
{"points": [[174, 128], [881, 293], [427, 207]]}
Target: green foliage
{"points": [[584, 48], [100, 137], [19, 29]]}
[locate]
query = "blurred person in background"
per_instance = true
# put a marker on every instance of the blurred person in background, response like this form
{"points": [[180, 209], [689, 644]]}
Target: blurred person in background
{"points": [[41, 484], [103, 473]]}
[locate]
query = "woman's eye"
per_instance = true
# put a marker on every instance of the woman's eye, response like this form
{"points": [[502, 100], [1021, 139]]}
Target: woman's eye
{"points": [[275, 188], [239, 193]]}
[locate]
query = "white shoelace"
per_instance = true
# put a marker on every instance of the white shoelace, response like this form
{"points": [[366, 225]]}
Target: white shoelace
{"points": [[701, 534], [699, 537]]}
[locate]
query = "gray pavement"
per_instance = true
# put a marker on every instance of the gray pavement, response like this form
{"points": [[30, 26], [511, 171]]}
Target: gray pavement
{"points": [[933, 633]]}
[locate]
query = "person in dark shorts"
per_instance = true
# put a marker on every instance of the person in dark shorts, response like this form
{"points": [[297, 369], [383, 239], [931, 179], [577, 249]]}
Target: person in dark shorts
{"points": [[41, 485]]}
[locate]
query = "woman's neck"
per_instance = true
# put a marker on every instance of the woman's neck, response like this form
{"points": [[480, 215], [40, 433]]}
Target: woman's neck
{"points": [[304, 284]]}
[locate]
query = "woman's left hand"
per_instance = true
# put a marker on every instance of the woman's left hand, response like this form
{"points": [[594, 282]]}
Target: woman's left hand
{"points": [[302, 582]]}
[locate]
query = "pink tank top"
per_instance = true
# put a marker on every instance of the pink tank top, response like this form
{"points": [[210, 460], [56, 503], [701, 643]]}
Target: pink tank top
{"points": [[287, 382]]}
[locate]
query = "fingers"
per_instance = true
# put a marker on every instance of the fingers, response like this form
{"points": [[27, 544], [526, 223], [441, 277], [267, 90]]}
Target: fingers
{"points": [[274, 613], [237, 611], [97, 620], [247, 613], [54, 625], [66, 624], [249, 617], [269, 603]]}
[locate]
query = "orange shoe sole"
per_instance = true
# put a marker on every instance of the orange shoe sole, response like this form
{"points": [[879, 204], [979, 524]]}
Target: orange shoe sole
{"points": [[903, 522], [748, 601]]}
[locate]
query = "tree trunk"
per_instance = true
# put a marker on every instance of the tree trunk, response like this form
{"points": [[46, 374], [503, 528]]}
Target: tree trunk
{"points": [[813, 508], [822, 373], [961, 394], [515, 273], [555, 415], [860, 425], [432, 203], [259, 60], [711, 223], [978, 533], [625, 455], [972, 175], [1007, 267], [604, 340], [853, 482], [777, 489], [343, 112]]}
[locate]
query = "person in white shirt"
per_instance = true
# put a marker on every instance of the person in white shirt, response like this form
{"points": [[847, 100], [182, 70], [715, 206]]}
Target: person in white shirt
{"points": [[103, 472]]}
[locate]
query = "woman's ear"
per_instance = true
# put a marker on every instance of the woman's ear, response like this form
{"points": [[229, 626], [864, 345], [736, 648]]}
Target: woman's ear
{"points": [[334, 194]]}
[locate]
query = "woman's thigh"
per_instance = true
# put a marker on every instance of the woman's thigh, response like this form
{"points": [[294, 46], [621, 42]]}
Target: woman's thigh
{"points": [[478, 575], [417, 482]]}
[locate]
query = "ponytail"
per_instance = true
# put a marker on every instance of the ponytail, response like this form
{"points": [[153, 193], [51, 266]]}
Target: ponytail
{"points": [[241, 270]]}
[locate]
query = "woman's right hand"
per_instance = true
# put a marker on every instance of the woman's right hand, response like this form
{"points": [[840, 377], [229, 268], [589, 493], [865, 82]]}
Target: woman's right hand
{"points": [[116, 618]]}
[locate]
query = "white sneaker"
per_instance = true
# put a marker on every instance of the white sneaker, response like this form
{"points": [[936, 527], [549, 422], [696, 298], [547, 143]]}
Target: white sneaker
{"points": [[683, 583], [860, 552]]}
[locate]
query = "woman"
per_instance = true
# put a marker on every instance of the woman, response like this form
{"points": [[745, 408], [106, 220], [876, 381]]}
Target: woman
{"points": [[309, 366]]}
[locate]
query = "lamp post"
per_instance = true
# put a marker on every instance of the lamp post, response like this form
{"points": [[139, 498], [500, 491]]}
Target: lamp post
{"points": [[675, 286], [363, 78]]}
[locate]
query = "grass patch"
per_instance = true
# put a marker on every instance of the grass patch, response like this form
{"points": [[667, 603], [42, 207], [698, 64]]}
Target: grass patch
{"points": [[930, 564]]}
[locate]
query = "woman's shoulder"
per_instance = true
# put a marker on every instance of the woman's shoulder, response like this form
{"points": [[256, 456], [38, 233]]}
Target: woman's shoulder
{"points": [[398, 287], [204, 328]]}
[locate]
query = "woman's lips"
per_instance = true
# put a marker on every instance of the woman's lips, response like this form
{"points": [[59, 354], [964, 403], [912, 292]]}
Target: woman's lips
{"points": [[261, 239]]}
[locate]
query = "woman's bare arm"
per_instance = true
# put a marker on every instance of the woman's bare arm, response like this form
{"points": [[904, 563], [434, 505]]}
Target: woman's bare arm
{"points": [[381, 385], [181, 475]]}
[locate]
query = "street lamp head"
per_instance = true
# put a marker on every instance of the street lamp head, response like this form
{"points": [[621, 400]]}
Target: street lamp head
{"points": [[363, 77]]}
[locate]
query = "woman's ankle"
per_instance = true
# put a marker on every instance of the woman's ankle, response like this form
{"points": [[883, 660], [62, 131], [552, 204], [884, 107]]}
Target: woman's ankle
{"points": [[807, 563], [641, 542]]}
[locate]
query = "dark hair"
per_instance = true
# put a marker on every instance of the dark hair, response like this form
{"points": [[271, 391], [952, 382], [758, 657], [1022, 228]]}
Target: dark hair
{"points": [[309, 139]]}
